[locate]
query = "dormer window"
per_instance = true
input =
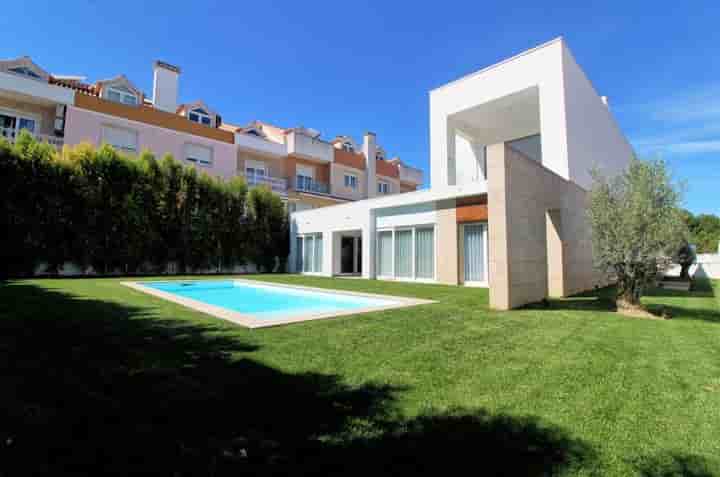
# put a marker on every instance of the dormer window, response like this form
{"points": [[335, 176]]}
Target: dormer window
{"points": [[122, 95], [25, 71], [200, 116], [348, 147]]}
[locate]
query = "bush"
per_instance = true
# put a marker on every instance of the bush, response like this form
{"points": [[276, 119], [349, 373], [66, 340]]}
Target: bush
{"points": [[97, 207]]}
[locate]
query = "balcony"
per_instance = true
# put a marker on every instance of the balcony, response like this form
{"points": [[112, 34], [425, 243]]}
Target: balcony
{"points": [[305, 184], [308, 147], [257, 144], [411, 174], [276, 184], [10, 134]]}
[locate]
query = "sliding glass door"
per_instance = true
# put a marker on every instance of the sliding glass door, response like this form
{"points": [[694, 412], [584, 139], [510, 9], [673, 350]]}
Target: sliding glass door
{"points": [[425, 253], [403, 253], [309, 253], [406, 253], [474, 246], [385, 253]]}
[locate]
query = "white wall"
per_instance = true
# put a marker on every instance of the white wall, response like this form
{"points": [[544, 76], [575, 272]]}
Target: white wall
{"points": [[577, 129], [469, 158], [707, 265], [594, 138], [539, 68], [17, 84]]}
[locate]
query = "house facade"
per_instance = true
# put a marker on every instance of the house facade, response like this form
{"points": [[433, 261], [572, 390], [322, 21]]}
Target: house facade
{"points": [[305, 170], [511, 147]]}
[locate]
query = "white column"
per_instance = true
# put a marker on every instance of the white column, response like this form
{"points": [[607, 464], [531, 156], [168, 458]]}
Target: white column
{"points": [[368, 245]]}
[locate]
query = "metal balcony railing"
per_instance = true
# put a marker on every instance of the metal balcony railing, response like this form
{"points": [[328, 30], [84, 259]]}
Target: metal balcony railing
{"points": [[10, 134], [276, 184], [305, 184]]}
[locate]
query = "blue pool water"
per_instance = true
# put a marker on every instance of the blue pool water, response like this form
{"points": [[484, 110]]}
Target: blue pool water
{"points": [[265, 301]]}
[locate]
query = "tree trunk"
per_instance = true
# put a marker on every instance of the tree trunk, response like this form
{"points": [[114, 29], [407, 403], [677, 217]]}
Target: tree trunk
{"points": [[685, 271]]}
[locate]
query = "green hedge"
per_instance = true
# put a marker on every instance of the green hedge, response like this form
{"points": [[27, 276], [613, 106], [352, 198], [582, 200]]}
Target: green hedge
{"points": [[99, 208]]}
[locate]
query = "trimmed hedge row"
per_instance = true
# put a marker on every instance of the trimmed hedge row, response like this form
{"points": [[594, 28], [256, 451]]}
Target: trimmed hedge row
{"points": [[101, 209]]}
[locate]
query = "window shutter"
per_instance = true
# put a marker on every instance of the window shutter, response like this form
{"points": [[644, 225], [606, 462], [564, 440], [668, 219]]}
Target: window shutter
{"points": [[124, 139], [198, 154]]}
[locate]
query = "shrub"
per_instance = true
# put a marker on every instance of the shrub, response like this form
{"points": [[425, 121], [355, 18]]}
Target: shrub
{"points": [[97, 207]]}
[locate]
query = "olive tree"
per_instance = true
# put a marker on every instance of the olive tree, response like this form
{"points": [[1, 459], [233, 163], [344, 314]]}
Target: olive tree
{"points": [[636, 224]]}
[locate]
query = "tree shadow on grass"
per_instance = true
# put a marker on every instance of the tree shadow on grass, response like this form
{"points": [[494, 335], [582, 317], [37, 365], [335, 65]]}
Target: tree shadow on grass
{"points": [[92, 387], [676, 465], [693, 306]]}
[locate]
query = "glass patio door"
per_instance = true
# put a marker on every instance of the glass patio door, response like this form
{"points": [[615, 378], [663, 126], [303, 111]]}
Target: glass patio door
{"points": [[474, 236]]}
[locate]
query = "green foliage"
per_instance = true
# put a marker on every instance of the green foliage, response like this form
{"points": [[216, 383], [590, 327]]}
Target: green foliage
{"points": [[704, 231], [636, 221], [99, 208], [269, 227]]}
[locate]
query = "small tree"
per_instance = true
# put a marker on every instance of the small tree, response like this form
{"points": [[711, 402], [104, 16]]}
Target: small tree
{"points": [[635, 219]]}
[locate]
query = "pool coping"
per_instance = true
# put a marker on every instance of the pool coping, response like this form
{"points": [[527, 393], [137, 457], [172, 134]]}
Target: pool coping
{"points": [[250, 321]]}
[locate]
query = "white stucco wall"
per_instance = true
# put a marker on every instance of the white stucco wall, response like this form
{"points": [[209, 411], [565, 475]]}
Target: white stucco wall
{"points": [[540, 67], [577, 130], [593, 136]]}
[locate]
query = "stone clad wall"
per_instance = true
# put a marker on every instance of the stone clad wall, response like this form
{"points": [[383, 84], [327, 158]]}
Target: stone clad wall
{"points": [[539, 242]]}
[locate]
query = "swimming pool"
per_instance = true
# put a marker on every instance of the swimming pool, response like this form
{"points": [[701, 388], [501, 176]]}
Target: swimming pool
{"points": [[257, 304]]}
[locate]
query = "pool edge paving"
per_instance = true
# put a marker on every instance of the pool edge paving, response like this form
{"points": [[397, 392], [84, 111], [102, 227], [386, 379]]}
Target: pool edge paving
{"points": [[250, 321]]}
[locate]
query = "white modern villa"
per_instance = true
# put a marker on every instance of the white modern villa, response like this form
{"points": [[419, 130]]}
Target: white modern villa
{"points": [[511, 150]]}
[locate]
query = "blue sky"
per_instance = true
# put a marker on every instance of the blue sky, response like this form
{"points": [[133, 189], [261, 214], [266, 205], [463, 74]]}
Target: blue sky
{"points": [[348, 67]]}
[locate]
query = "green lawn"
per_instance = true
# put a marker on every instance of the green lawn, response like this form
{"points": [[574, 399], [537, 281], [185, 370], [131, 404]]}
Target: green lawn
{"points": [[98, 379]]}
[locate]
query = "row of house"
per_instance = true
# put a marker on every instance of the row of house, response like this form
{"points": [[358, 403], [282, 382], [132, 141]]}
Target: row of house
{"points": [[296, 163]]}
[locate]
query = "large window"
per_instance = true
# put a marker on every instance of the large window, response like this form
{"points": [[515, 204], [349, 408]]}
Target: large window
{"points": [[425, 253], [474, 253], [12, 123], [304, 178], [403, 253], [406, 253], [309, 253], [120, 138], [121, 95], [385, 254]]}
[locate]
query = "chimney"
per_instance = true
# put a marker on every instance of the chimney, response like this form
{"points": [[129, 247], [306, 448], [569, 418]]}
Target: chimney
{"points": [[370, 150], [605, 101], [165, 86]]}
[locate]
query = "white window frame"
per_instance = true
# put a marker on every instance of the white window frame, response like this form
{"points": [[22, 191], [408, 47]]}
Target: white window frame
{"points": [[120, 148], [413, 277], [197, 161], [18, 115], [383, 185], [123, 96], [347, 147], [351, 181], [200, 116], [301, 253], [461, 256], [306, 173], [258, 168]]}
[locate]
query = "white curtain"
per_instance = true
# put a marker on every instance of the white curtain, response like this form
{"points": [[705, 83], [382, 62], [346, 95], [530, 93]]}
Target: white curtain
{"points": [[424, 253], [384, 253], [403, 253], [307, 254], [474, 251], [318, 254]]}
